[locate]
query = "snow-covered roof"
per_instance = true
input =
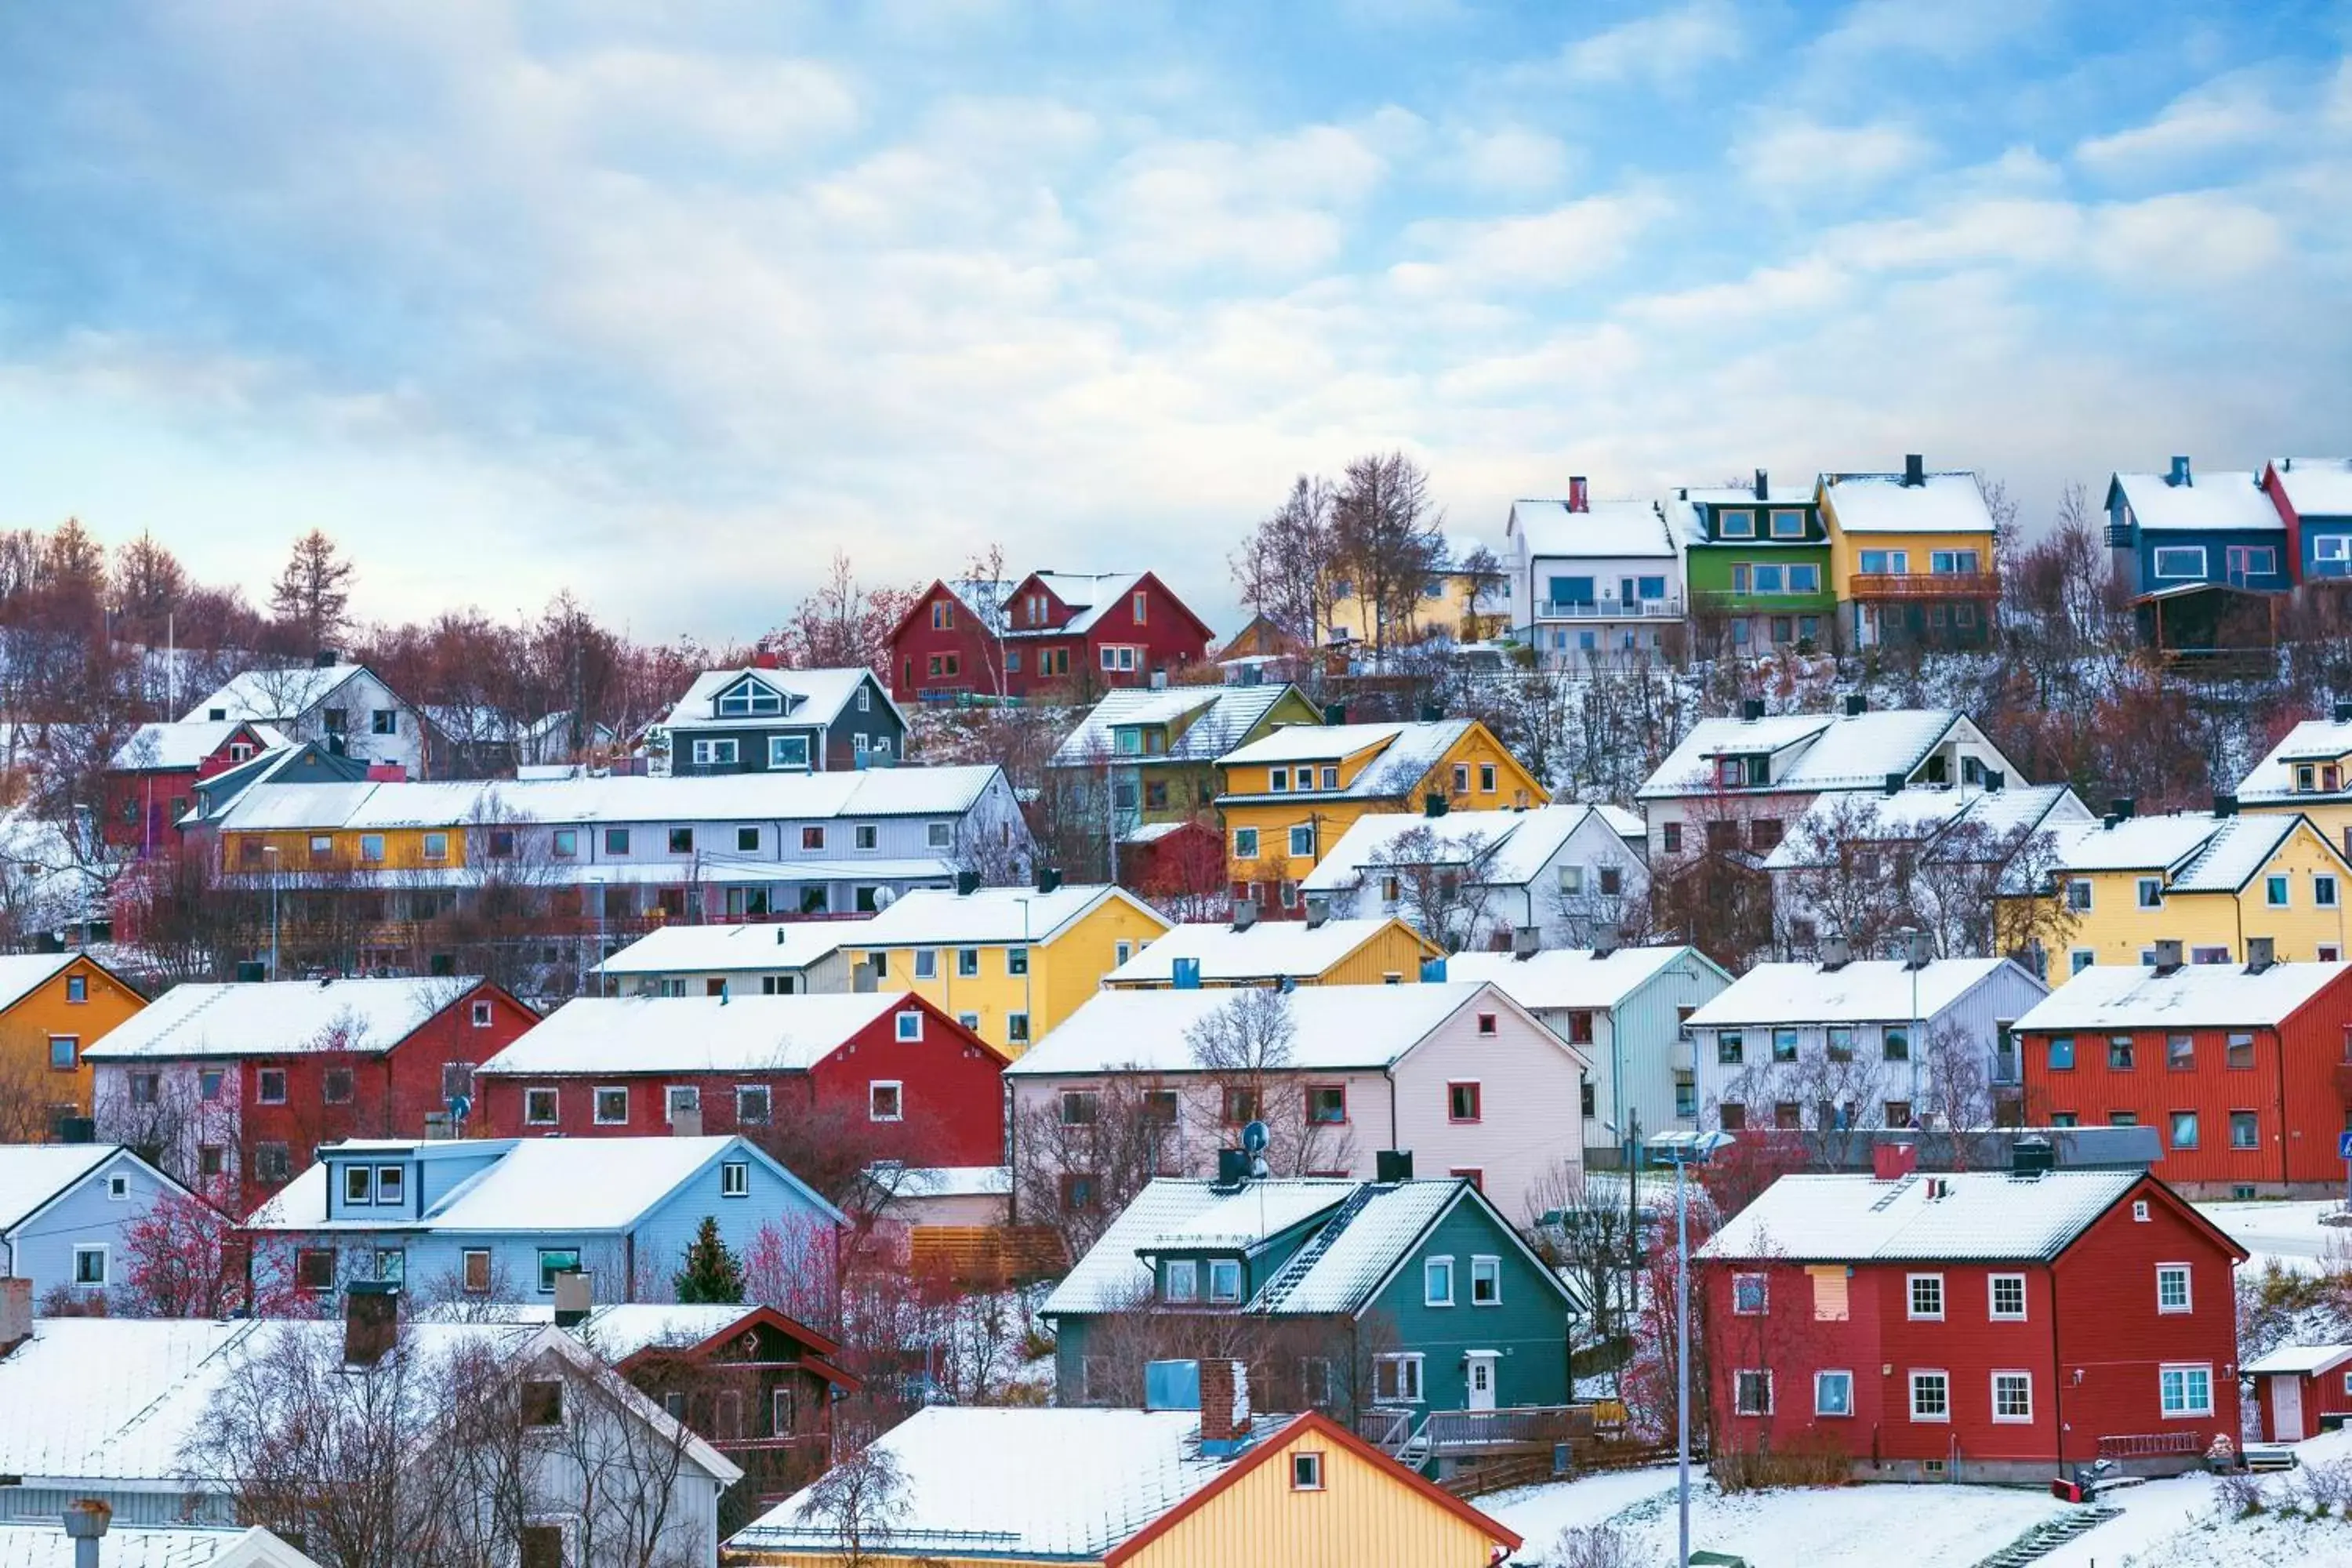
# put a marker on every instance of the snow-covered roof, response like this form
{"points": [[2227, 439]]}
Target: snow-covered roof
{"points": [[816, 697], [534, 1184], [33, 1174], [1572, 978], [941, 917], [2298, 1359], [615, 1332], [1510, 847], [272, 1017], [1866, 991], [1059, 1483], [2194, 997], [2201, 853], [725, 797], [2316, 486], [1688, 510], [1840, 752], [748, 1034], [1406, 753], [1925, 812], [1337, 1027], [29, 1544], [1984, 1216], [1611, 528], [2314, 740], [1171, 1214], [169, 747], [273, 694], [1088, 594], [1268, 949], [2223, 500], [1232, 712], [1947, 501], [741, 948], [23, 974]]}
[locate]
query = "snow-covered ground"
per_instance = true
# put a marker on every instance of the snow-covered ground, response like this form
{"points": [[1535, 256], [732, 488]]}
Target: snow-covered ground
{"points": [[2290, 1232], [2179, 1524]]}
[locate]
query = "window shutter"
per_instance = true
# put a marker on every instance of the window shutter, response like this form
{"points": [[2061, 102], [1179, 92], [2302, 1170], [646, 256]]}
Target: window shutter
{"points": [[1829, 1294]]}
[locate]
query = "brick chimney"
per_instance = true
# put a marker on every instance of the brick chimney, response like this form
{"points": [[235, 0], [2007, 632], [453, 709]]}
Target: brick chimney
{"points": [[1224, 1406], [1579, 497], [371, 1321], [1891, 1161], [16, 1314]]}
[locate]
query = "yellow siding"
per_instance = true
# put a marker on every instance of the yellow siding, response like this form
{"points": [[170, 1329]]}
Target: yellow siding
{"points": [[1452, 611], [1365, 1516], [1395, 949], [2333, 818], [877, 1555], [2115, 929], [404, 850], [1073, 969], [1845, 547], [43, 1013]]}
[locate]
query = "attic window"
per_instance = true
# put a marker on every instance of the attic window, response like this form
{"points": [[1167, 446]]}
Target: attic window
{"points": [[1306, 1471], [2306, 778], [542, 1402], [1486, 1023], [749, 700]]}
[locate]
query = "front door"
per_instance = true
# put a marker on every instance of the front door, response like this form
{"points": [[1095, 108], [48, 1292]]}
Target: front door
{"points": [[1481, 1386], [2286, 1407]]}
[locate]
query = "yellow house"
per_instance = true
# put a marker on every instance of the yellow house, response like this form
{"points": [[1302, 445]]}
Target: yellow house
{"points": [[1014, 1487], [1469, 606], [2309, 772], [1011, 962], [2209, 882], [1911, 557], [1290, 795], [53, 1006], [1252, 952]]}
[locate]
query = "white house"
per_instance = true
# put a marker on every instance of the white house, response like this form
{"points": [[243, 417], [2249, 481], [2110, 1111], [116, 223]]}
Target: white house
{"points": [[779, 958], [1593, 581], [1562, 871], [347, 708]]}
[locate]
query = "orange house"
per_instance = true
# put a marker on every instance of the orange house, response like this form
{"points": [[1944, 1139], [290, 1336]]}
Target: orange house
{"points": [[53, 1005]]}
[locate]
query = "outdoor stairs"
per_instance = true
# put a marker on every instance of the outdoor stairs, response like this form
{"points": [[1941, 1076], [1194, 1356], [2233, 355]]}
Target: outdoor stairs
{"points": [[2050, 1535], [1278, 1289]]}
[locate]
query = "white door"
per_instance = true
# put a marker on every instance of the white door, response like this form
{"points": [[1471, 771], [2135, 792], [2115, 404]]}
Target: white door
{"points": [[2286, 1408], [1481, 1381]]}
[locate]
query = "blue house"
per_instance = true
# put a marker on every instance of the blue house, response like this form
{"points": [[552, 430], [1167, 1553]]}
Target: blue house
{"points": [[497, 1220], [2180, 530], [2313, 495], [67, 1210], [1410, 1310], [755, 721]]}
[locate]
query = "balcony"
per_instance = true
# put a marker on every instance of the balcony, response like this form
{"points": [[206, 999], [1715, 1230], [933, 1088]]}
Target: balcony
{"points": [[1924, 586], [1667, 609]]}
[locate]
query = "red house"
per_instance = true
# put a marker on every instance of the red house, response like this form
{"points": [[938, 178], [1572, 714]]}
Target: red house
{"points": [[2241, 1068], [1060, 631], [900, 1075], [1985, 1326], [151, 779], [2295, 1386], [232, 1088]]}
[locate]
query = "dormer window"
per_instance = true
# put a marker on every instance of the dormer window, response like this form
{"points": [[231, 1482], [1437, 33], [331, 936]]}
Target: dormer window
{"points": [[1735, 524], [1224, 1279], [390, 1184], [750, 700], [2306, 778], [2330, 777], [1183, 1281], [1787, 525]]}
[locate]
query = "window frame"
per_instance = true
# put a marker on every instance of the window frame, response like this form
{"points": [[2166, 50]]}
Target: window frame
{"points": [[1994, 1381], [1454, 1102], [1993, 1311], [1305, 1464], [1845, 1377], [1397, 1364], [1761, 1300], [1741, 1384], [2187, 1277], [596, 1105], [1911, 1309], [554, 1117], [1944, 1379], [1433, 1267], [86, 1249], [2185, 1370], [1222, 1270], [1486, 1269], [748, 1094], [1190, 1295], [875, 1088]]}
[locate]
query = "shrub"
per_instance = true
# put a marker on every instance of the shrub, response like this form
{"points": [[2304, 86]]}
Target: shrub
{"points": [[1813, 1462], [2327, 1487], [1599, 1546], [2240, 1493]]}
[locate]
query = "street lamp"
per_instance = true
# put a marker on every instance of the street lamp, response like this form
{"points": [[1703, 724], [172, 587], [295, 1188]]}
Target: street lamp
{"points": [[271, 851], [1682, 1151]]}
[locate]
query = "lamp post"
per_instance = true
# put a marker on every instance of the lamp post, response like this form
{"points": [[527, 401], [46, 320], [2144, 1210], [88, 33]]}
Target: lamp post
{"points": [[1682, 1151], [271, 851]]}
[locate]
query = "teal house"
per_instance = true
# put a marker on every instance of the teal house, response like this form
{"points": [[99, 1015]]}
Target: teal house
{"points": [[1410, 1310]]}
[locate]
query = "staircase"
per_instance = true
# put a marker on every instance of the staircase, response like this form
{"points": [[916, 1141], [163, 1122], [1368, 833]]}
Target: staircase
{"points": [[2049, 1536], [1278, 1289]]}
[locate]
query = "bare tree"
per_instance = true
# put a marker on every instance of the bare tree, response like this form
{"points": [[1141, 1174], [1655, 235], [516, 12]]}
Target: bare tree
{"points": [[1080, 1157], [987, 595], [1287, 569], [1958, 1084], [1245, 1047], [842, 624], [1437, 881], [862, 1504], [1853, 869], [1388, 536]]}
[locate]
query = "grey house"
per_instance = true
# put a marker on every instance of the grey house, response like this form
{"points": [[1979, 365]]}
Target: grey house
{"points": [[754, 721]]}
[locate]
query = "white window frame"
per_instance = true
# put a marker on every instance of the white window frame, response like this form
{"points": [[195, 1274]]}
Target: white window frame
{"points": [[1992, 1299], [713, 750], [1188, 1269], [1993, 1386], [1305, 1464], [1405, 1367], [927, 963], [2156, 561], [898, 1090], [2184, 1370], [909, 1025], [2188, 1290], [1244, 843], [1911, 1283], [790, 752], [1763, 1285], [391, 1185], [1490, 1270], [938, 835], [1912, 1383], [97, 1249], [735, 1179], [674, 1094], [1430, 1267], [596, 1105], [1302, 849], [1847, 1377], [1740, 1385], [554, 1117], [748, 1094]]}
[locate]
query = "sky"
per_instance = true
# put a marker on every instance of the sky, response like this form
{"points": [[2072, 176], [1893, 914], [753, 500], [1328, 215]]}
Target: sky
{"points": [[666, 304]]}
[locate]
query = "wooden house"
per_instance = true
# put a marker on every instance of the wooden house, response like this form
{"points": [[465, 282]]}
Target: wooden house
{"points": [[2298, 1388], [1289, 953]]}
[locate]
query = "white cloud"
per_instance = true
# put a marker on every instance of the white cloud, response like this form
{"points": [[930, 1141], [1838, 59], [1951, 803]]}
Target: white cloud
{"points": [[1667, 48], [2222, 116], [1277, 204], [1552, 249], [1812, 284], [1512, 160], [2184, 240], [740, 107], [1796, 156], [1947, 30]]}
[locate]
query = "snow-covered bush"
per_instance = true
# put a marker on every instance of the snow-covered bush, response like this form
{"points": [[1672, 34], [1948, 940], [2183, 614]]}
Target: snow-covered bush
{"points": [[2241, 1494], [1598, 1546]]}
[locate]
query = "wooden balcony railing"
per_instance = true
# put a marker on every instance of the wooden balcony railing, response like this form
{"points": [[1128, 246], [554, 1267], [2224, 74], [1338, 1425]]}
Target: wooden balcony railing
{"points": [[1924, 586]]}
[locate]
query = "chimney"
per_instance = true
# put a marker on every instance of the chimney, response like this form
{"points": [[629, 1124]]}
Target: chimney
{"points": [[1918, 950], [1894, 784], [1318, 909], [1232, 1170], [1915, 470], [1995, 781], [325, 658], [574, 1295], [371, 1321], [2031, 1156], [2168, 954], [1334, 712], [1938, 1189], [967, 884], [2178, 478], [1579, 499], [85, 1521], [1605, 938], [1763, 490], [1836, 953], [387, 772], [16, 1314], [2123, 806], [1184, 974], [1433, 712], [685, 1121], [1245, 914], [2344, 712], [1751, 709], [2262, 951], [1526, 941], [77, 1130], [1048, 879], [1891, 1161], [1391, 1166], [1856, 704], [1224, 1407], [2225, 806], [1434, 804]]}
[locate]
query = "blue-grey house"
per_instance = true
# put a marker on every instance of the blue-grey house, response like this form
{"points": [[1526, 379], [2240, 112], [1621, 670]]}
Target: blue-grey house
{"points": [[2313, 495], [1411, 1310], [2180, 529], [497, 1220], [66, 1211], [754, 721]]}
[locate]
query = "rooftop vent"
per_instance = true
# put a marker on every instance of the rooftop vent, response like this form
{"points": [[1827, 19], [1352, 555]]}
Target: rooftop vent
{"points": [[1995, 781], [1433, 712], [2178, 476], [1918, 950], [1391, 1166], [1526, 941], [2123, 806], [1836, 953], [1048, 879], [1894, 784], [1763, 490], [967, 884], [1856, 704], [1606, 938], [1245, 913], [2225, 806], [1232, 1170], [371, 1321], [1434, 804], [2031, 1156], [1318, 909], [2168, 955], [1751, 709], [1334, 712], [1915, 470], [2262, 951], [2344, 712]]}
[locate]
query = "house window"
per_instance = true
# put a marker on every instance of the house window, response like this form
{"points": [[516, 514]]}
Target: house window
{"points": [[1461, 1102], [314, 1268], [752, 1104], [65, 1052], [617, 841], [270, 1086], [2013, 1396], [2184, 1129], [2323, 891], [682, 1100], [1931, 1397], [2078, 894], [1750, 1295], [1224, 1280], [1486, 778], [2186, 1389], [681, 840], [1730, 1048], [1302, 840], [270, 1162], [1307, 1467], [1752, 1394], [1080, 1107], [723, 753], [1926, 1295], [1396, 1379], [1017, 961], [1486, 1025], [1685, 1095], [883, 1102], [567, 844], [812, 838], [2008, 1293], [2180, 1053], [1670, 837], [787, 752], [2179, 561], [1437, 1282], [1838, 1043], [2275, 892], [2120, 1056], [335, 1086], [208, 1084], [1735, 524], [2245, 1130], [2172, 1288], [1897, 1043], [1244, 843], [390, 1184], [735, 1179], [77, 987], [910, 1023], [2151, 893], [1327, 1104], [1081, 1192], [1242, 1106], [89, 1266], [1184, 1280], [384, 721], [539, 1108], [212, 1160], [612, 1106], [474, 1271], [967, 962], [359, 1185], [481, 1015], [1784, 1045], [372, 846], [1833, 1394], [1485, 1282]]}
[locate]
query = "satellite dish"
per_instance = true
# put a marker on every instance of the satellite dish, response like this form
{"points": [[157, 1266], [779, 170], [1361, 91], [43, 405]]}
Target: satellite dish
{"points": [[1255, 1137], [883, 898]]}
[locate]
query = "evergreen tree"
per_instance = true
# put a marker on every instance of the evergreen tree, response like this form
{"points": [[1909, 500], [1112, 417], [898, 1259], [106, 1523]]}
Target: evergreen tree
{"points": [[711, 1273]]}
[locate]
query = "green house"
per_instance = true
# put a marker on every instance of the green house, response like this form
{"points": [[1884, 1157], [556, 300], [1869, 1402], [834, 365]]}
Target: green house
{"points": [[1757, 561], [1410, 1309], [1158, 750]]}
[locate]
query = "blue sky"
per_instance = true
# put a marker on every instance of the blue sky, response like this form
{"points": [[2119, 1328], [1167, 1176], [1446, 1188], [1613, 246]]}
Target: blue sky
{"points": [[666, 304]]}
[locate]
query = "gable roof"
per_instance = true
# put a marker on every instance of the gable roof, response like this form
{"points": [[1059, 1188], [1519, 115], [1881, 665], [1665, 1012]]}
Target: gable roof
{"points": [[1866, 991], [2234, 501], [533, 1184], [1959, 825], [2200, 853], [277, 695], [2298, 1359], [177, 747], [277, 1017], [2316, 486], [1857, 1218], [2313, 741], [34, 1175], [620, 1331], [1220, 716], [1406, 754], [1840, 750], [938, 917], [23, 974], [1509, 847], [817, 697], [620, 1035], [1948, 501], [2195, 996], [1565, 977], [1268, 950], [26, 1543], [744, 947], [1611, 528]]}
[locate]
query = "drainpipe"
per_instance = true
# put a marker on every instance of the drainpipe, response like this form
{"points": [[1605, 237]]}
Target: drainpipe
{"points": [[2278, 1040], [1388, 1072], [2057, 1376]]}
